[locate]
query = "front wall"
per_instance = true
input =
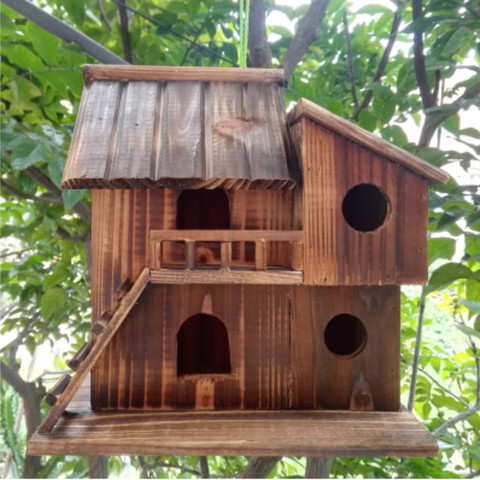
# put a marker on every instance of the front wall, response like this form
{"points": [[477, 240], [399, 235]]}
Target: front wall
{"points": [[140, 368], [335, 253], [322, 379]]}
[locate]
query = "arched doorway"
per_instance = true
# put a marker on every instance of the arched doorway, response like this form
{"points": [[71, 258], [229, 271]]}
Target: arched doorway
{"points": [[203, 346]]}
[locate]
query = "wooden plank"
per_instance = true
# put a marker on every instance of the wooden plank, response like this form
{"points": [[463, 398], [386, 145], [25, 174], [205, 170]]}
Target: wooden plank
{"points": [[135, 130], [226, 255], [91, 143], [179, 150], [260, 255], [128, 73], [226, 235], [307, 109], [250, 433], [97, 349], [222, 277]]}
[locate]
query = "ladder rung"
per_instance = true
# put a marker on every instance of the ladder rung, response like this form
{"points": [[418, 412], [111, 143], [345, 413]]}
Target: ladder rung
{"points": [[79, 356], [58, 389]]}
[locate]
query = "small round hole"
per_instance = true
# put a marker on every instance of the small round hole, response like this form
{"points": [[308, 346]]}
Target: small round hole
{"points": [[365, 207], [345, 335]]}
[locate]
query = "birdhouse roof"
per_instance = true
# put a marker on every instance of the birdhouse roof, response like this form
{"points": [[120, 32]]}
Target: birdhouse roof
{"points": [[311, 111], [174, 127]]}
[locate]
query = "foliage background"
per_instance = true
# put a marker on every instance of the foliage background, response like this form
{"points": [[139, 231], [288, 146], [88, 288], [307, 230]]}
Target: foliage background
{"points": [[407, 70]]}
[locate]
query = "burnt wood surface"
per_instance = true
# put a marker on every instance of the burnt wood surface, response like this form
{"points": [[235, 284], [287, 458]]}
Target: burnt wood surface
{"points": [[181, 134], [305, 109], [260, 433]]}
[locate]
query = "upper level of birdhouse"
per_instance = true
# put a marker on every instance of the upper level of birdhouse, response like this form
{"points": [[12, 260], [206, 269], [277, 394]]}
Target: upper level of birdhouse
{"points": [[199, 174]]}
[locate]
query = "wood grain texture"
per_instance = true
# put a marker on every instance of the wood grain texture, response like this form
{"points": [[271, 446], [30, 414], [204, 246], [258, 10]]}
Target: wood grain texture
{"points": [[96, 351], [130, 73], [261, 433], [141, 371], [334, 252], [322, 379], [181, 134], [309, 110]]}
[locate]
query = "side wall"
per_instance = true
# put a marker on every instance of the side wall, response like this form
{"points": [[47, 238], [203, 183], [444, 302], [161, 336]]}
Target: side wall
{"points": [[336, 253]]}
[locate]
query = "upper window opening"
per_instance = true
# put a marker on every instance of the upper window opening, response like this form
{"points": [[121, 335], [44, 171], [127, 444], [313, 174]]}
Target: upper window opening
{"points": [[203, 346], [203, 210], [365, 207]]}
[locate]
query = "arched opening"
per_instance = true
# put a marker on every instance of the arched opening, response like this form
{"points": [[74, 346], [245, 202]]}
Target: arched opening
{"points": [[345, 335], [203, 346], [203, 210], [365, 207]]}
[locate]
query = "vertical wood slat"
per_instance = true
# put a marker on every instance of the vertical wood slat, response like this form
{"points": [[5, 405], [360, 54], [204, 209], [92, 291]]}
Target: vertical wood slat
{"points": [[226, 255], [190, 247], [155, 257], [260, 255]]}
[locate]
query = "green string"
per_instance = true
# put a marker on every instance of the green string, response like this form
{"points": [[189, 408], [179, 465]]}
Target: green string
{"points": [[244, 20]]}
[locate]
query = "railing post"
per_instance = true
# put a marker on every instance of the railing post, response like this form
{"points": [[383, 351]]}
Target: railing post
{"points": [[261, 255], [226, 255], [296, 256], [190, 254], [156, 255]]}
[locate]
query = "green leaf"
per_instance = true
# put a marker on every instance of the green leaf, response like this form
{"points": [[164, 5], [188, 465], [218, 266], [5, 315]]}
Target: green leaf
{"points": [[52, 303], [455, 42], [468, 331], [452, 124], [45, 44], [440, 248], [71, 197], [443, 276], [471, 305], [23, 57], [367, 120], [32, 155]]}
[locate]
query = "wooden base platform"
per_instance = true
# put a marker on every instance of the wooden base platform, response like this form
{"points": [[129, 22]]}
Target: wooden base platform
{"points": [[252, 433]]}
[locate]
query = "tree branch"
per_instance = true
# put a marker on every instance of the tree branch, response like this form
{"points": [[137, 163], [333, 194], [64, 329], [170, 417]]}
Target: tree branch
{"points": [[382, 65], [437, 115], [79, 208], [64, 235], [43, 199], [259, 467], [98, 467], [428, 99], [318, 467], [351, 73], [259, 51], [418, 345], [127, 47], [446, 390], [31, 404], [306, 34], [473, 474], [56, 27], [204, 470]]}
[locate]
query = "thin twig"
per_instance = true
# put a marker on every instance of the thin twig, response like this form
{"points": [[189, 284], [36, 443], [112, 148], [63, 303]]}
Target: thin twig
{"points": [[351, 73], [418, 344], [103, 15], [17, 252], [445, 389], [474, 474], [382, 65]]}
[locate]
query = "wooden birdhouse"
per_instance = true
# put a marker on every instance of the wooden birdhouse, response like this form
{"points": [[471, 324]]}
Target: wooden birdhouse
{"points": [[246, 272]]}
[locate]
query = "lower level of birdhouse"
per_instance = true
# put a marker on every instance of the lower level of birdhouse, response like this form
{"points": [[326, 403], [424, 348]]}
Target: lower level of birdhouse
{"points": [[254, 347]]}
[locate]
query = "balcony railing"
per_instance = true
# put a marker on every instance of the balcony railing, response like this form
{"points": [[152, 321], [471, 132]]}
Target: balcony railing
{"points": [[228, 270]]}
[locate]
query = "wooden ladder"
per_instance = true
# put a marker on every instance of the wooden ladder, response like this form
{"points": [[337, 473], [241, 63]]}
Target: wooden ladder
{"points": [[85, 359]]}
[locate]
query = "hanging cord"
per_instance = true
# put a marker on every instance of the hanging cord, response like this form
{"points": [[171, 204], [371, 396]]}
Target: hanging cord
{"points": [[244, 21]]}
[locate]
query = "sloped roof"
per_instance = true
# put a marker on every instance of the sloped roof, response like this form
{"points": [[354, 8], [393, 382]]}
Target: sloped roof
{"points": [[175, 127], [317, 114]]}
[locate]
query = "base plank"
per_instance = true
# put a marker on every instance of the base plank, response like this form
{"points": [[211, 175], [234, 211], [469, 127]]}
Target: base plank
{"points": [[252, 433]]}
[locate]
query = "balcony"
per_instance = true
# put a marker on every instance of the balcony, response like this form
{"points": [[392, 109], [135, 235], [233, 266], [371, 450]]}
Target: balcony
{"points": [[268, 257]]}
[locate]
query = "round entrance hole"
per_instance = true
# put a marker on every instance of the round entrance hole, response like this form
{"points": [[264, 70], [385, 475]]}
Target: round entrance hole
{"points": [[345, 335], [365, 207]]}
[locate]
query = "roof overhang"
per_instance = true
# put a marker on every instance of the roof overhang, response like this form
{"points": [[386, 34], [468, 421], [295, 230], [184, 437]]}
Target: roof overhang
{"points": [[311, 111], [172, 127]]}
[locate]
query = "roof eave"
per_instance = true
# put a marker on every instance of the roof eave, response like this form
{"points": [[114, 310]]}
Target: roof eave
{"points": [[307, 109]]}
